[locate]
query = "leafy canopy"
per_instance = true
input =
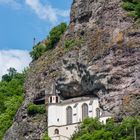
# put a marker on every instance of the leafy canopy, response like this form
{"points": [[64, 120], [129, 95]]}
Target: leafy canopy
{"points": [[35, 109], [93, 129], [11, 97]]}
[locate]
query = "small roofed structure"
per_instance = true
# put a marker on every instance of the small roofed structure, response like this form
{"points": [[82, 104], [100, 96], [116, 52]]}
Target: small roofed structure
{"points": [[53, 97]]}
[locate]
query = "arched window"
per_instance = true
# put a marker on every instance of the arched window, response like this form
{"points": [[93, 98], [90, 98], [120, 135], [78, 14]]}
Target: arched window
{"points": [[84, 111], [56, 99], [98, 112], [56, 131], [69, 115]]}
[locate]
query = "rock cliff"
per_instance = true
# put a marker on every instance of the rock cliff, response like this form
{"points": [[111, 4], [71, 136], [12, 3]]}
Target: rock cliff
{"points": [[105, 64]]}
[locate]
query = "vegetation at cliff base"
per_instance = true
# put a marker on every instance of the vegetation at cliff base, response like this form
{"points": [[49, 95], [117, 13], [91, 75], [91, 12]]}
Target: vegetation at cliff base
{"points": [[53, 38], [11, 97], [45, 137], [93, 129], [133, 6]]}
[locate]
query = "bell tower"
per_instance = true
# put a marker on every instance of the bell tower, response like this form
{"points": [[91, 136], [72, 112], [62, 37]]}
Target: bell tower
{"points": [[53, 97]]}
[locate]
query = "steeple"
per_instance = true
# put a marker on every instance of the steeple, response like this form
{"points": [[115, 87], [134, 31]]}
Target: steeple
{"points": [[53, 89], [53, 98]]}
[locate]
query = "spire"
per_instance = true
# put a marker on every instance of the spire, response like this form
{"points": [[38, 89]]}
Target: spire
{"points": [[34, 41], [53, 89]]}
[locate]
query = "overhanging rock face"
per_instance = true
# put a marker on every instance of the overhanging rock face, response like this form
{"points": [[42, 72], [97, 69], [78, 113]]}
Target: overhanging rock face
{"points": [[106, 64], [110, 78]]}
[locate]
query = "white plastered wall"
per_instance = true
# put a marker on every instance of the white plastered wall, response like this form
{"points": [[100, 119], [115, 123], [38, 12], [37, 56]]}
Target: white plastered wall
{"points": [[57, 116]]}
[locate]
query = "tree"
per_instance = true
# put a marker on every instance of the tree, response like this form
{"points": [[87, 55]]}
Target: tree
{"points": [[92, 129], [6, 78], [12, 71], [11, 97]]}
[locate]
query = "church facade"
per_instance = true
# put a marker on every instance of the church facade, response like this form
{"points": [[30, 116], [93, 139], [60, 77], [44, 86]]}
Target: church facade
{"points": [[65, 116]]}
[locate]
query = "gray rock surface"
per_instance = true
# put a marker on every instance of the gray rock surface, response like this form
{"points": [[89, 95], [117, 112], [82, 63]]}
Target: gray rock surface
{"points": [[106, 65]]}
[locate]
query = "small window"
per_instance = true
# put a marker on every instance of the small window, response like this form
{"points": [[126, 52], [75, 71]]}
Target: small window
{"points": [[56, 131], [50, 99], [56, 99], [97, 112]]}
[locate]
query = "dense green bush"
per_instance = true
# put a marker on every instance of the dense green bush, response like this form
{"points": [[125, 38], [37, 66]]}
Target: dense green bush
{"points": [[133, 6], [92, 129], [138, 10], [53, 38], [35, 109], [129, 6], [11, 97], [37, 51], [56, 33]]}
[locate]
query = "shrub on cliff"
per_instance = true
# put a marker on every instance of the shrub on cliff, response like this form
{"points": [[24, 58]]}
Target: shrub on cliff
{"points": [[53, 38], [129, 6], [138, 9], [37, 51], [133, 6], [35, 109], [56, 33]]}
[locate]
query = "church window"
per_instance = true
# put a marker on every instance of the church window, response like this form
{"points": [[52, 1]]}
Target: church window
{"points": [[97, 112], [50, 99], [84, 111], [56, 99], [56, 131], [69, 115]]}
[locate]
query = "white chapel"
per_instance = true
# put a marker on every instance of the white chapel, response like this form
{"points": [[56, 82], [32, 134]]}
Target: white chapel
{"points": [[64, 116]]}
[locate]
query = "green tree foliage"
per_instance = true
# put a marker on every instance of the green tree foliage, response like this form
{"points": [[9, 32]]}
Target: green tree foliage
{"points": [[92, 129], [138, 9], [53, 38], [56, 33], [11, 97], [133, 6], [35, 109], [37, 51], [11, 73]]}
